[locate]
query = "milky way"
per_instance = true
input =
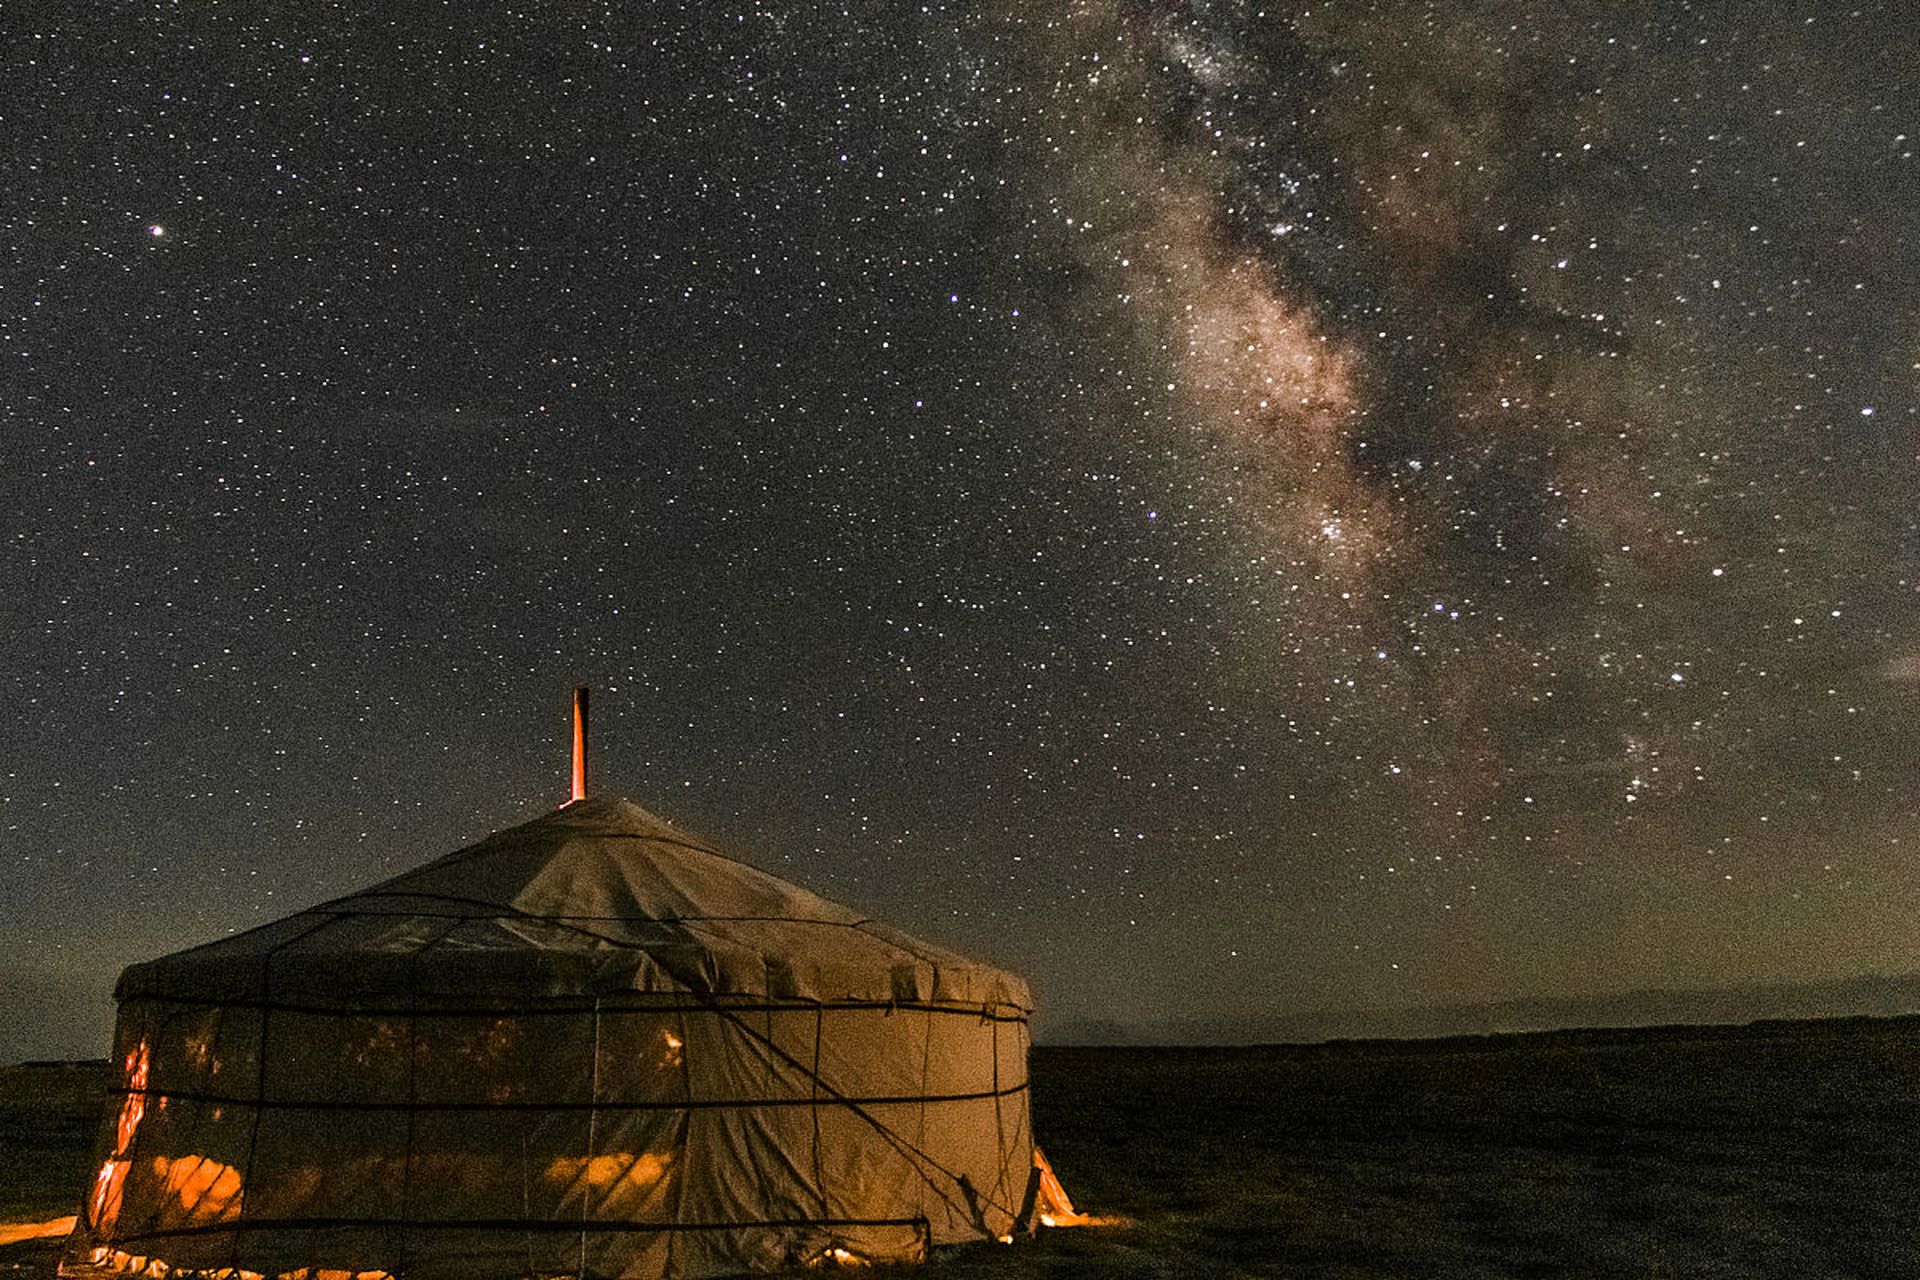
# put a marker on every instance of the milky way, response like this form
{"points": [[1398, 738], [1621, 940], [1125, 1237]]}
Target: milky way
{"points": [[1229, 510]]}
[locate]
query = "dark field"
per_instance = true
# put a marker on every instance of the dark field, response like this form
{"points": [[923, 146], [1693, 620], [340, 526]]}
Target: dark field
{"points": [[1789, 1149], [49, 1116]]}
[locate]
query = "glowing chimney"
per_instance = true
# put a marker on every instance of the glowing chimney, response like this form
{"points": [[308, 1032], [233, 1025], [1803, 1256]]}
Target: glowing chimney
{"points": [[580, 743]]}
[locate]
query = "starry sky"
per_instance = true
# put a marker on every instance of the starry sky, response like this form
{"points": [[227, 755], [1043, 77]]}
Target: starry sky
{"points": [[1224, 508]]}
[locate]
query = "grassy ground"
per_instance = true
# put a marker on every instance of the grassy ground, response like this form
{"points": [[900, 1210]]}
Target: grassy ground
{"points": [[1789, 1150], [48, 1119]]}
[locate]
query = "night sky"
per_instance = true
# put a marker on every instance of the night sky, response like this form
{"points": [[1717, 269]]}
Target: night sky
{"points": [[1222, 509]]}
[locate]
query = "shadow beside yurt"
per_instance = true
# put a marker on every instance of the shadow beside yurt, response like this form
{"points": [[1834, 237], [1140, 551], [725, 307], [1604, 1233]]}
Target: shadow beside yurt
{"points": [[590, 1045]]}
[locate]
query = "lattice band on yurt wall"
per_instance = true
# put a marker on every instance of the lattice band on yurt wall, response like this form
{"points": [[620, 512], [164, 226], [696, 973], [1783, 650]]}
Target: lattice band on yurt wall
{"points": [[358, 1100]]}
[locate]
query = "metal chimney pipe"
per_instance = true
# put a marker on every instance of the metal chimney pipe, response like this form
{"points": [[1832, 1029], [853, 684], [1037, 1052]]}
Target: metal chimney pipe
{"points": [[580, 742]]}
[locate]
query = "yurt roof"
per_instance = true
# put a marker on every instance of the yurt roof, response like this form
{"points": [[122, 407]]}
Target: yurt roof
{"points": [[598, 899]]}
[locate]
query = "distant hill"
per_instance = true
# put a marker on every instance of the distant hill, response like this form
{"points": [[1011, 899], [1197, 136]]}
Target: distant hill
{"points": [[1875, 995]]}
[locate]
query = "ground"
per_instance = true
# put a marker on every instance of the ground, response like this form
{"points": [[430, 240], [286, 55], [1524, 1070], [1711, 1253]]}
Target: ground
{"points": [[1784, 1149]]}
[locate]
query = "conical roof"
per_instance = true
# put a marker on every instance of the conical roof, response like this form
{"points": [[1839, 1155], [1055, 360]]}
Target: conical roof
{"points": [[598, 898]]}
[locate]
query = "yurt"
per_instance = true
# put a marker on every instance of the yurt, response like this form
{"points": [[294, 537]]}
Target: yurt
{"points": [[590, 1045]]}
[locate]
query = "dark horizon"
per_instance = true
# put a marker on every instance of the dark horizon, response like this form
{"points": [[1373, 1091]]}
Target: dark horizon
{"points": [[1674, 1009]]}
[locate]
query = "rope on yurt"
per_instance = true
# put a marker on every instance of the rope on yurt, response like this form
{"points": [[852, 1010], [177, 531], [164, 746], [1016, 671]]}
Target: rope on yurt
{"points": [[413, 1088], [685, 1153], [593, 1125], [260, 1072], [999, 1121], [510, 1108], [916, 1155], [926, 1071], [924, 957], [914, 1152], [522, 1224], [906, 1148], [813, 1099]]}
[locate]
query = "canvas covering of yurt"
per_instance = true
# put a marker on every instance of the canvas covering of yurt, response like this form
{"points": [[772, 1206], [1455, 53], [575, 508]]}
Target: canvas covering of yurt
{"points": [[589, 1045]]}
